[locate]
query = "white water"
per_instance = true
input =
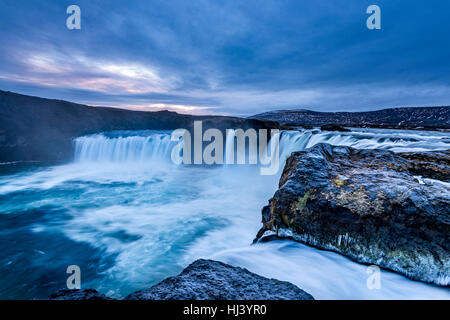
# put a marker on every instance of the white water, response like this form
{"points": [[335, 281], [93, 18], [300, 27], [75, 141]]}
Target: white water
{"points": [[126, 185], [145, 146], [149, 146]]}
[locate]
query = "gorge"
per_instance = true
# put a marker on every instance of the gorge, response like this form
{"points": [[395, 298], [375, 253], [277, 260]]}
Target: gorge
{"points": [[129, 218]]}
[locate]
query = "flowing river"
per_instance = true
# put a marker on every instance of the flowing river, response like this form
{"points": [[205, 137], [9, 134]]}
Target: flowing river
{"points": [[129, 217]]}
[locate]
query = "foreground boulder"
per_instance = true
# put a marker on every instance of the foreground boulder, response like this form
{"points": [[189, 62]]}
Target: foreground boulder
{"points": [[213, 280], [368, 205], [78, 294], [204, 280]]}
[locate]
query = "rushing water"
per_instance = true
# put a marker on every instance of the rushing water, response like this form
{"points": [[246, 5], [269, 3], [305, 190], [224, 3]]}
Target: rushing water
{"points": [[129, 218]]}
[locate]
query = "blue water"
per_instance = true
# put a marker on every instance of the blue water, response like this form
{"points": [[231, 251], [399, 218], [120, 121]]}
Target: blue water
{"points": [[130, 218]]}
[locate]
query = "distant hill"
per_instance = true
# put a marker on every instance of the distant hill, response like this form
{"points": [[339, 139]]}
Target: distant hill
{"points": [[402, 118], [38, 129]]}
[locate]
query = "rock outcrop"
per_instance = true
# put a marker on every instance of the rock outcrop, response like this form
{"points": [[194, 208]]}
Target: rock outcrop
{"points": [[369, 205], [205, 280], [213, 280], [78, 294]]}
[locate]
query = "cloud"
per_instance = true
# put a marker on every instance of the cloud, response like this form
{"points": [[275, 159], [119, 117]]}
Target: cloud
{"points": [[233, 57], [196, 110], [81, 72]]}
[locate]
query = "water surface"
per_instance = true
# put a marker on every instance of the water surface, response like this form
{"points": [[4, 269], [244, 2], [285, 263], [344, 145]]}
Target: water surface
{"points": [[130, 218]]}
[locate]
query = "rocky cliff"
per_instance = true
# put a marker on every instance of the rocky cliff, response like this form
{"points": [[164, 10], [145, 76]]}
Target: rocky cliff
{"points": [[37, 129], [373, 206]]}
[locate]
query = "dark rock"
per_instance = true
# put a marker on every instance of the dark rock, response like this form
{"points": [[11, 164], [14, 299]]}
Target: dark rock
{"points": [[213, 280], [85, 294], [295, 126], [417, 118], [369, 206], [434, 165], [204, 280], [334, 127]]}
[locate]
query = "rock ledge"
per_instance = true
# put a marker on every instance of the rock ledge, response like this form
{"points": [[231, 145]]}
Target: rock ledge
{"points": [[369, 205]]}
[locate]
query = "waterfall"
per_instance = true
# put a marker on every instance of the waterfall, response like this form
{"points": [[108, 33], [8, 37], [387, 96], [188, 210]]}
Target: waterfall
{"points": [[123, 198], [393, 140], [229, 146], [147, 146], [123, 147], [142, 146]]}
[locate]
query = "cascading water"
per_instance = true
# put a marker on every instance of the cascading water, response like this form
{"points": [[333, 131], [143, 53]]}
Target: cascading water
{"points": [[148, 146], [120, 147], [129, 218], [393, 140]]}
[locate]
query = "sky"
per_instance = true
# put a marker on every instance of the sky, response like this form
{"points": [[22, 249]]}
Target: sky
{"points": [[229, 57]]}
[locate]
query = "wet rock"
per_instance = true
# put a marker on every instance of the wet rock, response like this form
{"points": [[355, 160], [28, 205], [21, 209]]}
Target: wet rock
{"points": [[213, 280], [434, 165], [204, 280], [368, 205], [85, 294]]}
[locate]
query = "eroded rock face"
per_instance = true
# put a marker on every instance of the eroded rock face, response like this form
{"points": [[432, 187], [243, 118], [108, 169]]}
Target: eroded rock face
{"points": [[213, 280], [368, 205]]}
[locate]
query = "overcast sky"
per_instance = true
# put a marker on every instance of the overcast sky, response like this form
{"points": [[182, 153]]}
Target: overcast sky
{"points": [[238, 57]]}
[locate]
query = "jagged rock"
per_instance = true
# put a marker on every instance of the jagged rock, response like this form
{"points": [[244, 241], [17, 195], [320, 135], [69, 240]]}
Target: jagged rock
{"points": [[434, 165], [213, 280], [334, 127], [76, 294], [368, 205]]}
